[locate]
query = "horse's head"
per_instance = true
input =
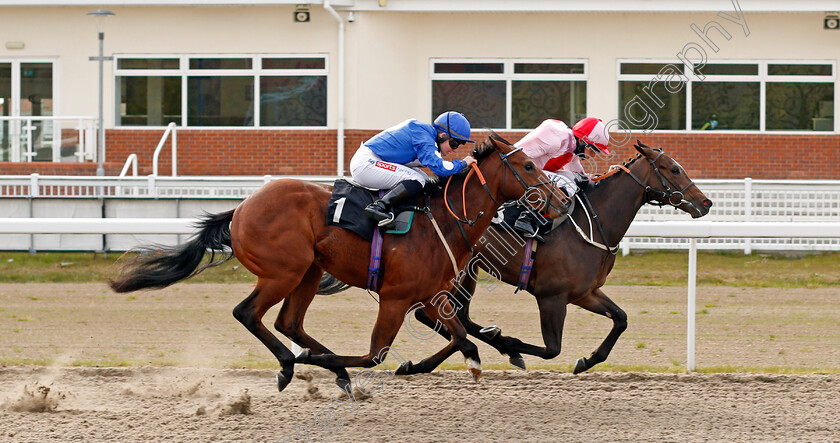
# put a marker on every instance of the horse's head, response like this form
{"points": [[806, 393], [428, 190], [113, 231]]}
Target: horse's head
{"points": [[520, 178], [669, 184]]}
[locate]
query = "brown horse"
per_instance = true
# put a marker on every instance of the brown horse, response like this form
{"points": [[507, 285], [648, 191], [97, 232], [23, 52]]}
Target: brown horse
{"points": [[569, 268], [280, 234]]}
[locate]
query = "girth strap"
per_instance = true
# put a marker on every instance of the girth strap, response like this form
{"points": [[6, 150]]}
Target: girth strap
{"points": [[527, 264], [428, 211], [375, 257]]}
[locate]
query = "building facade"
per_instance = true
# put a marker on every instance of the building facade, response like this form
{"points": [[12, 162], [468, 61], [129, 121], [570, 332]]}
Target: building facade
{"points": [[730, 88]]}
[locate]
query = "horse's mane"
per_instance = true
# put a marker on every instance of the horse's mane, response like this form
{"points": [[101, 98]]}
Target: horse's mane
{"points": [[632, 160], [626, 164], [638, 156]]}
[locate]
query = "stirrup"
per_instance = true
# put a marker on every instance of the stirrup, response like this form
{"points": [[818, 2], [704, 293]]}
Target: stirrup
{"points": [[534, 235], [387, 220]]}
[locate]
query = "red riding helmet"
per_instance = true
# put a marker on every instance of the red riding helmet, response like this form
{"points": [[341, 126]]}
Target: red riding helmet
{"points": [[593, 131]]}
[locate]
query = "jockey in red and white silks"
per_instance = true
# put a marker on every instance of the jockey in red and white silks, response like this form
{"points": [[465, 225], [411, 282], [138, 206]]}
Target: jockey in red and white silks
{"points": [[555, 147]]}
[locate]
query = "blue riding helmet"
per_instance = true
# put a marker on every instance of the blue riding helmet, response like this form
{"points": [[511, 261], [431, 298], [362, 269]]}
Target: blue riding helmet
{"points": [[454, 124]]}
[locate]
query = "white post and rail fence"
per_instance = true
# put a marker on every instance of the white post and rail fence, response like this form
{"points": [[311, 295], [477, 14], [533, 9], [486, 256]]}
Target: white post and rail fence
{"points": [[691, 230]]}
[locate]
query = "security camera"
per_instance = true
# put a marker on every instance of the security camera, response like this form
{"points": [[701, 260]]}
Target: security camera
{"points": [[301, 16], [831, 22], [351, 17]]}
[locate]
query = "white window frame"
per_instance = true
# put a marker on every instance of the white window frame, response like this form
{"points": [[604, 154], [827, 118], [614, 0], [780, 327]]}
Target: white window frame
{"points": [[761, 77], [17, 153], [184, 71], [508, 76]]}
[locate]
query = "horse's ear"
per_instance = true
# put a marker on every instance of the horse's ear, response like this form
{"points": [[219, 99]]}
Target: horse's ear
{"points": [[494, 135], [643, 148], [498, 144]]}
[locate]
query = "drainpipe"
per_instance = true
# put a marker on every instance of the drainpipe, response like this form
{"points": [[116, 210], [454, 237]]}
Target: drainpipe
{"points": [[340, 136]]}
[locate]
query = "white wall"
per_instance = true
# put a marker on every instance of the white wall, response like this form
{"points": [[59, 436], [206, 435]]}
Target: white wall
{"points": [[388, 53]]}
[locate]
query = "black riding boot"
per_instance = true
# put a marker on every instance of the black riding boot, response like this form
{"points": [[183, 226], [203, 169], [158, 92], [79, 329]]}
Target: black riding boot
{"points": [[528, 225], [381, 210]]}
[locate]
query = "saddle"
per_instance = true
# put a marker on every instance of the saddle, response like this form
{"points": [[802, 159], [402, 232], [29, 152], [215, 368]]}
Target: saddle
{"points": [[571, 184], [346, 210]]}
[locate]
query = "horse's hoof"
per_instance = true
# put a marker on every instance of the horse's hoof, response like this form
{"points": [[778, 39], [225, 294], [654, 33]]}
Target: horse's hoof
{"points": [[490, 332], [580, 365], [282, 382], [343, 384], [519, 362], [404, 368], [475, 369], [304, 355]]}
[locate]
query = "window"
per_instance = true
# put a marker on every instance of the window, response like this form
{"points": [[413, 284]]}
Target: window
{"points": [[510, 94], [648, 88], [800, 97], [28, 130], [219, 90], [727, 96]]}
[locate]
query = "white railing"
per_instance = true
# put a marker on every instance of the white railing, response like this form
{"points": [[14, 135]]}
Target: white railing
{"points": [[131, 161], [744, 200], [695, 230], [98, 226], [749, 200], [24, 137], [171, 128], [692, 230], [59, 186]]}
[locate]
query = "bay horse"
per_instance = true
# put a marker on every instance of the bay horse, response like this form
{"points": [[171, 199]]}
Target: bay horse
{"points": [[280, 234], [568, 267]]}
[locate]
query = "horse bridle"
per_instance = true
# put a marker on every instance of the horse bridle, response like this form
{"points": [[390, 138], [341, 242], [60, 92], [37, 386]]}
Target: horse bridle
{"points": [[668, 194], [650, 194], [475, 169]]}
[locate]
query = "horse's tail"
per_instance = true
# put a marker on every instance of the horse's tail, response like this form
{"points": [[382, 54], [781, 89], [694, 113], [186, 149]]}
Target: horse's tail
{"points": [[159, 267], [331, 285]]}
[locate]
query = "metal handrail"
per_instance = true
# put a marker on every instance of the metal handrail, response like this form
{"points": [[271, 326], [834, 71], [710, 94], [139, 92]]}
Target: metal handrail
{"points": [[170, 128], [130, 161]]}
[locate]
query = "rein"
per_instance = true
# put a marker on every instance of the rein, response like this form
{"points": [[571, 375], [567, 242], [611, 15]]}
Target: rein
{"points": [[475, 169], [650, 193]]}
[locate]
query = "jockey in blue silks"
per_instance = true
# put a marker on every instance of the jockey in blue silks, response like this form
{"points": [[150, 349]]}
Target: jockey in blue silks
{"points": [[392, 159]]}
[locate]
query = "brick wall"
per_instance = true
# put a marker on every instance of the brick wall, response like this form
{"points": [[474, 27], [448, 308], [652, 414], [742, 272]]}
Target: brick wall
{"points": [[312, 152]]}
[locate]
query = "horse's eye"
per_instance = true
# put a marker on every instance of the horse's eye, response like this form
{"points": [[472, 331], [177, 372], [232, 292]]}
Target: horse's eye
{"points": [[675, 170], [529, 166]]}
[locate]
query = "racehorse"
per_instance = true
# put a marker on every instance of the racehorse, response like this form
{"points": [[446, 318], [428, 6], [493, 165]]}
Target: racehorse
{"points": [[280, 234], [571, 267]]}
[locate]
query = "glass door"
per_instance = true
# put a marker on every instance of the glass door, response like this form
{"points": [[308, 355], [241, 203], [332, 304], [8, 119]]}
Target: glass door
{"points": [[5, 111], [36, 100], [26, 90]]}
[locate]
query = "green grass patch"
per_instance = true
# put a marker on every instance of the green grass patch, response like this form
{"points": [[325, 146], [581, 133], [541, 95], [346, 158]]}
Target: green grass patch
{"points": [[104, 361], [15, 361], [88, 267], [670, 268], [649, 268], [656, 369]]}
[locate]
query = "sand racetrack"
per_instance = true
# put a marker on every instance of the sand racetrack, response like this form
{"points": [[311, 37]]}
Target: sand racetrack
{"points": [[181, 350], [177, 404]]}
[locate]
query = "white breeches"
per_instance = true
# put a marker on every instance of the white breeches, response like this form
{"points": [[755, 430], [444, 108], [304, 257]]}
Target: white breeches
{"points": [[564, 180], [367, 169]]}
